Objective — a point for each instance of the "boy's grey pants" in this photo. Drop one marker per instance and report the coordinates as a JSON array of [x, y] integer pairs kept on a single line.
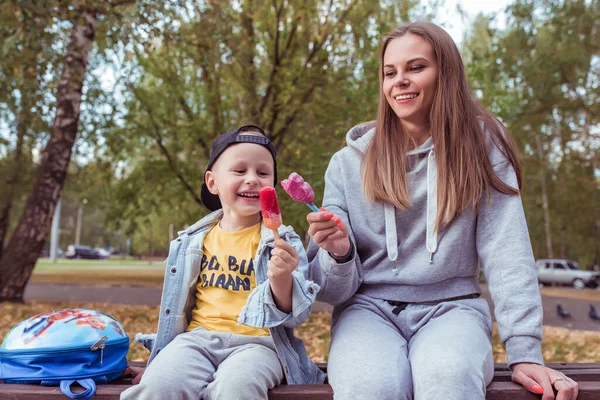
[[211, 365], [426, 351]]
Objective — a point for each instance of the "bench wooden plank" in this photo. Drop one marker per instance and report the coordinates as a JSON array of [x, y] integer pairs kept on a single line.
[[301, 392], [586, 374], [512, 391], [495, 391], [579, 375]]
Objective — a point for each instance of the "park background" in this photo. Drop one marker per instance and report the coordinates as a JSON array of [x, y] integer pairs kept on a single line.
[[111, 107]]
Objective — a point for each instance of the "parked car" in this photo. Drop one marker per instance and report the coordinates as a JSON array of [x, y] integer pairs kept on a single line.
[[103, 252], [82, 252], [565, 272]]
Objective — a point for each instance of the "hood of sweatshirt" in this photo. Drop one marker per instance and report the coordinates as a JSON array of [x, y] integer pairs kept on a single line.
[[360, 138]]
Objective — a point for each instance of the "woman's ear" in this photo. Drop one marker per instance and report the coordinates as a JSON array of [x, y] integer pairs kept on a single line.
[[211, 182]]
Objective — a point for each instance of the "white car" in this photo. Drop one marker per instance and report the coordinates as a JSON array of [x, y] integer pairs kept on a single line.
[[103, 252], [565, 272]]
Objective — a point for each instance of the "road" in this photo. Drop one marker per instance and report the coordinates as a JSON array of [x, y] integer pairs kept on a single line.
[[150, 295]]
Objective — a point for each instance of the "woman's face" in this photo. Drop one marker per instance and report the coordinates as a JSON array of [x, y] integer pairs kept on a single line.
[[410, 78]]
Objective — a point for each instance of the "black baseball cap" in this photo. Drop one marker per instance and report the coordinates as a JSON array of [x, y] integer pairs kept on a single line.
[[212, 201]]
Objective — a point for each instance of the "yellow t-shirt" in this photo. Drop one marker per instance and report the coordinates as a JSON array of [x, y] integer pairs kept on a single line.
[[226, 279]]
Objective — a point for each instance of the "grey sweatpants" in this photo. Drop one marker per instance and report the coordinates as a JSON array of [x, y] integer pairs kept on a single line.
[[426, 352], [211, 365]]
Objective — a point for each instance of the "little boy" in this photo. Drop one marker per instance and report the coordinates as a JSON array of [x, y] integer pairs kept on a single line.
[[232, 295]]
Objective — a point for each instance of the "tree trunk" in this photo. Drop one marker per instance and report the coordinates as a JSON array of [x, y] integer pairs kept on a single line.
[[27, 241], [595, 201], [564, 198], [546, 212], [13, 176], [593, 155]]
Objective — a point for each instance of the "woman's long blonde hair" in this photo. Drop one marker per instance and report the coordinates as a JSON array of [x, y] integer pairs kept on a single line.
[[456, 118]]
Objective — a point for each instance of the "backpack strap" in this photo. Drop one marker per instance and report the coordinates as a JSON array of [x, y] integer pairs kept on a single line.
[[88, 384]]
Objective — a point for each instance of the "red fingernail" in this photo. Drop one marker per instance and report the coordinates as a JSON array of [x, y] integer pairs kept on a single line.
[[328, 215], [340, 226], [338, 220], [322, 209], [537, 389]]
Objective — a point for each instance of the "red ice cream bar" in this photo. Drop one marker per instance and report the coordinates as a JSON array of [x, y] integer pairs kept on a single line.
[[270, 208]]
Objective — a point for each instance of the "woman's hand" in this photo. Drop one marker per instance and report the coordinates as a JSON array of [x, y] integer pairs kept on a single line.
[[329, 232], [540, 380]]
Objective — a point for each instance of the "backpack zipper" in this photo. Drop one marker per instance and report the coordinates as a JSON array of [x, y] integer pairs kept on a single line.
[[100, 345]]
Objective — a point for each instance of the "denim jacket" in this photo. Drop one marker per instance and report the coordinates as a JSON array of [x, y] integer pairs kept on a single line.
[[179, 298]]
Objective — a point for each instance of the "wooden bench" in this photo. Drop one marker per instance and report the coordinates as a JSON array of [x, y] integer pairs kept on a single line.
[[501, 388]]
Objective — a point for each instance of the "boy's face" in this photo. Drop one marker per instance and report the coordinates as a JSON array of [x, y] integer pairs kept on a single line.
[[238, 175]]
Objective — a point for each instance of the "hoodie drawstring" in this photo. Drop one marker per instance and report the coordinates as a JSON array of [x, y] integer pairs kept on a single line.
[[391, 235], [431, 234]]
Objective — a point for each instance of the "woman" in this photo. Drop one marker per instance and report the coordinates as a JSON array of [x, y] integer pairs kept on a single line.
[[424, 196]]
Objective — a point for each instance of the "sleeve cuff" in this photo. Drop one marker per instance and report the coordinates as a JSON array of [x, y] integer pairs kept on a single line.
[[332, 267], [303, 296], [524, 349], [348, 257], [146, 339]]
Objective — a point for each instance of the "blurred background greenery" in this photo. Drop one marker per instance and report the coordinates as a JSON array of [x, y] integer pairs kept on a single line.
[[165, 78]]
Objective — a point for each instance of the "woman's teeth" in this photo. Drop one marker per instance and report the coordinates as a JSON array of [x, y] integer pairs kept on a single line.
[[406, 96]]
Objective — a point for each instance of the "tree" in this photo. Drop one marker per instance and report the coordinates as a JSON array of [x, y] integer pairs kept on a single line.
[[26, 242], [27, 57], [305, 71], [541, 75]]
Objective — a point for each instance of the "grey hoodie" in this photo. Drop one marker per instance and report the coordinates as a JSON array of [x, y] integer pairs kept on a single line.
[[399, 256]]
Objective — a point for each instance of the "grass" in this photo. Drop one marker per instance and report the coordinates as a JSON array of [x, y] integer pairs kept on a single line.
[[559, 344], [63, 262], [95, 276], [99, 271]]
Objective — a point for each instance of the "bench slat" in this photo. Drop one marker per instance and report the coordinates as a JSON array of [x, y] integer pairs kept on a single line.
[[495, 391], [512, 391], [301, 392], [587, 375], [579, 375], [557, 366]]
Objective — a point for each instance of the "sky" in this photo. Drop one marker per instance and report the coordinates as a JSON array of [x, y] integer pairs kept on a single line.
[[450, 19]]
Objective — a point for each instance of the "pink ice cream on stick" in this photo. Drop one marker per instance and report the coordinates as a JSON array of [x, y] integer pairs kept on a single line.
[[300, 190], [270, 209]]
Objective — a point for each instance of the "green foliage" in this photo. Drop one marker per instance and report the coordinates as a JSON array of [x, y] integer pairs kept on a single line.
[[541, 76], [305, 71]]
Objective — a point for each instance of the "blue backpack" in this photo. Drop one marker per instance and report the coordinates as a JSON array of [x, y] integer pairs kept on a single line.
[[59, 348]]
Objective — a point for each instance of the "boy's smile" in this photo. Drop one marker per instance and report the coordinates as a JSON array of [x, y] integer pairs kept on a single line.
[[236, 177], [249, 195]]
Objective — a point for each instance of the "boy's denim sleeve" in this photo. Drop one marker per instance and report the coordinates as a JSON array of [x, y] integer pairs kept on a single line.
[[304, 292], [146, 339]]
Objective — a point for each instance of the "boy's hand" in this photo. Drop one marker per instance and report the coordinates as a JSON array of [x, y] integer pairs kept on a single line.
[[329, 232], [136, 372], [284, 260]]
